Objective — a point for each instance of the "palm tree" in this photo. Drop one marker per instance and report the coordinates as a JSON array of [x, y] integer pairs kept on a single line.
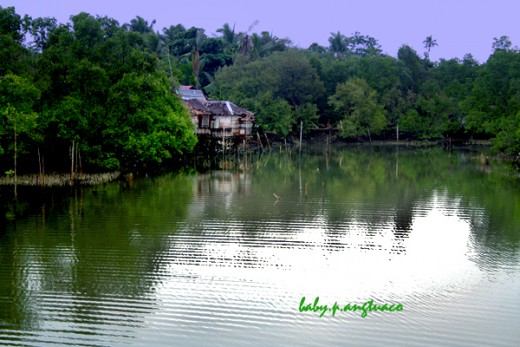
[[228, 34], [197, 46], [429, 43], [338, 44], [140, 25], [157, 44], [230, 38], [260, 44], [245, 40], [177, 40]]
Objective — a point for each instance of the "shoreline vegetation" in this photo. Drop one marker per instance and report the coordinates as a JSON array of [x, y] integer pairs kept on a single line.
[[60, 180], [89, 179], [96, 95]]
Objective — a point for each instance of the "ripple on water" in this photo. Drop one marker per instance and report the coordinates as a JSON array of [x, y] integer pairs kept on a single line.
[[222, 267]]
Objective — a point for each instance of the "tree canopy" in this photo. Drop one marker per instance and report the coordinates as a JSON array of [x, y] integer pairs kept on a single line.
[[91, 89], [103, 92]]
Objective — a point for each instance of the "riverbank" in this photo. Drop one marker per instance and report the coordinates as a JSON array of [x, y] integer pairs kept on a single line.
[[214, 160], [60, 180], [330, 137]]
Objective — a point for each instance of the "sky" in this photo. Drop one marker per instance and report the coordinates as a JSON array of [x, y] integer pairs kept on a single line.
[[458, 26]]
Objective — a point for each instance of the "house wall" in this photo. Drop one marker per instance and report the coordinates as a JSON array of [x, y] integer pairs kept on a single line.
[[221, 126]]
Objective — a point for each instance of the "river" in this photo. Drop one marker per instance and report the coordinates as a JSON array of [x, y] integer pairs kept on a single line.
[[250, 256]]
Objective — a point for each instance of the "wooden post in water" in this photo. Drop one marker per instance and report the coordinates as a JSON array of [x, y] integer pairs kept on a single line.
[[223, 144], [245, 154], [260, 140], [76, 153], [15, 167], [301, 135], [267, 139], [80, 166], [72, 163], [41, 164]]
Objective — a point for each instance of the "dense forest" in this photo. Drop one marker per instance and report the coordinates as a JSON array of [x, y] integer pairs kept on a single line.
[[94, 94]]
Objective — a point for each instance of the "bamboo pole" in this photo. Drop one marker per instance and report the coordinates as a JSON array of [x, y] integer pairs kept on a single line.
[[43, 170], [72, 162], [39, 166], [80, 166], [259, 140], [301, 135], [265, 135], [15, 165]]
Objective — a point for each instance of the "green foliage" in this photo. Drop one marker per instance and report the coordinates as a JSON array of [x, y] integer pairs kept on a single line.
[[357, 105], [356, 45], [102, 91], [146, 123], [308, 114], [197, 56], [93, 76], [14, 57], [503, 44], [508, 138], [413, 69], [380, 72], [496, 93], [434, 115], [294, 78], [280, 89], [429, 43], [494, 104], [40, 29], [272, 114], [17, 117], [10, 23]]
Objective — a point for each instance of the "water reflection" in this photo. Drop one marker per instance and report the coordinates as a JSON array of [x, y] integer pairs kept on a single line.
[[79, 257], [413, 229], [225, 256]]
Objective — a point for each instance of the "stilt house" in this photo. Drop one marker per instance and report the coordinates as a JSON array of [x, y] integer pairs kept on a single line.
[[217, 119]]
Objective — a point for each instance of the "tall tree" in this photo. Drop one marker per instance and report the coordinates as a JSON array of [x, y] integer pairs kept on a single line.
[[429, 43], [413, 71], [494, 103], [357, 104], [13, 55], [17, 117], [433, 115], [279, 82], [362, 45], [40, 29], [338, 44], [196, 61], [11, 23], [140, 25], [246, 44], [146, 122], [228, 33], [502, 44]]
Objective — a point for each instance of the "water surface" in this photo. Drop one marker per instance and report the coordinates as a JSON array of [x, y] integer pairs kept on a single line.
[[223, 258]]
